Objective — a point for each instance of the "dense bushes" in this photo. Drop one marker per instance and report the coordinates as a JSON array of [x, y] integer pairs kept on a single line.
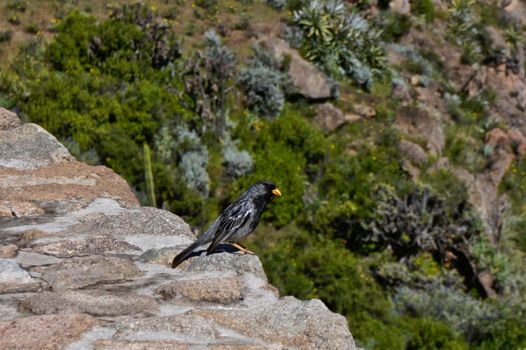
[[263, 84], [352, 227]]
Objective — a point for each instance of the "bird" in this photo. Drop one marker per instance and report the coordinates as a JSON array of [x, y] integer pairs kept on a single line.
[[236, 222]]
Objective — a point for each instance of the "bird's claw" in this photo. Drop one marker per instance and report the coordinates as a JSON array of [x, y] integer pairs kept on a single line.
[[242, 250]]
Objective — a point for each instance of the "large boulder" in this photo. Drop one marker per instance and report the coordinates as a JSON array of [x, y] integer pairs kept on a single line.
[[331, 118], [307, 80], [30, 147]]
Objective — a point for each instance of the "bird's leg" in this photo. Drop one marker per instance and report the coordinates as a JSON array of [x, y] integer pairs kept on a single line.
[[242, 249]]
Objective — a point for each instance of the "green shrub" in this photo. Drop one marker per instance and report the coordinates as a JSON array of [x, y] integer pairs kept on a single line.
[[418, 221], [310, 266], [348, 181], [285, 150], [93, 86], [237, 163], [429, 334], [14, 19], [17, 5], [514, 183], [32, 28], [262, 83], [6, 36], [453, 191], [394, 25], [208, 78], [424, 8], [277, 4]]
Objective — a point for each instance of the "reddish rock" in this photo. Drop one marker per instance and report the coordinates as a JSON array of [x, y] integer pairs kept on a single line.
[[8, 119], [224, 290], [8, 251], [500, 164], [518, 141], [486, 281], [497, 138], [401, 6], [43, 332], [60, 188]]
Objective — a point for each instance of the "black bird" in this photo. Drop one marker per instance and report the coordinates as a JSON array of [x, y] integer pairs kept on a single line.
[[237, 221]]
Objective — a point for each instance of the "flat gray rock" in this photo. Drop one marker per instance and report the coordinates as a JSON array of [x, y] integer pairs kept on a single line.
[[82, 272], [14, 279], [144, 220], [9, 310], [290, 322], [35, 259], [29, 147], [96, 303], [182, 331], [225, 262], [163, 256], [178, 345], [91, 246]]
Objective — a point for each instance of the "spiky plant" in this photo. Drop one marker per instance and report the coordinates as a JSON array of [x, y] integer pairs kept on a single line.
[[340, 40]]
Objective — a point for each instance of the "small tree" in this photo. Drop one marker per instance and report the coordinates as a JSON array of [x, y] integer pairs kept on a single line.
[[207, 78]]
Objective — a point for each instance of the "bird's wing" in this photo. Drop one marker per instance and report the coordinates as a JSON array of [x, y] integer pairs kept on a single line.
[[233, 219]]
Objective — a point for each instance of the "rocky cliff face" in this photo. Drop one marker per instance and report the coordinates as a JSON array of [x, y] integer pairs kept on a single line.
[[84, 266]]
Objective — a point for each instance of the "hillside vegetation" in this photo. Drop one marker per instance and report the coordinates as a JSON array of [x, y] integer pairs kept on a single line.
[[403, 202]]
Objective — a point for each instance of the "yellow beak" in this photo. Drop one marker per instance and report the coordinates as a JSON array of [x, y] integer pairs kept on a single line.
[[276, 192]]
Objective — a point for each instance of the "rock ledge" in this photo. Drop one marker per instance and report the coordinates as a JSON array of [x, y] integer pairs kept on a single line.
[[83, 266]]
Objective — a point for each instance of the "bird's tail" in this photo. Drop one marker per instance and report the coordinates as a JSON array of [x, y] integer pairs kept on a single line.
[[185, 253]]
